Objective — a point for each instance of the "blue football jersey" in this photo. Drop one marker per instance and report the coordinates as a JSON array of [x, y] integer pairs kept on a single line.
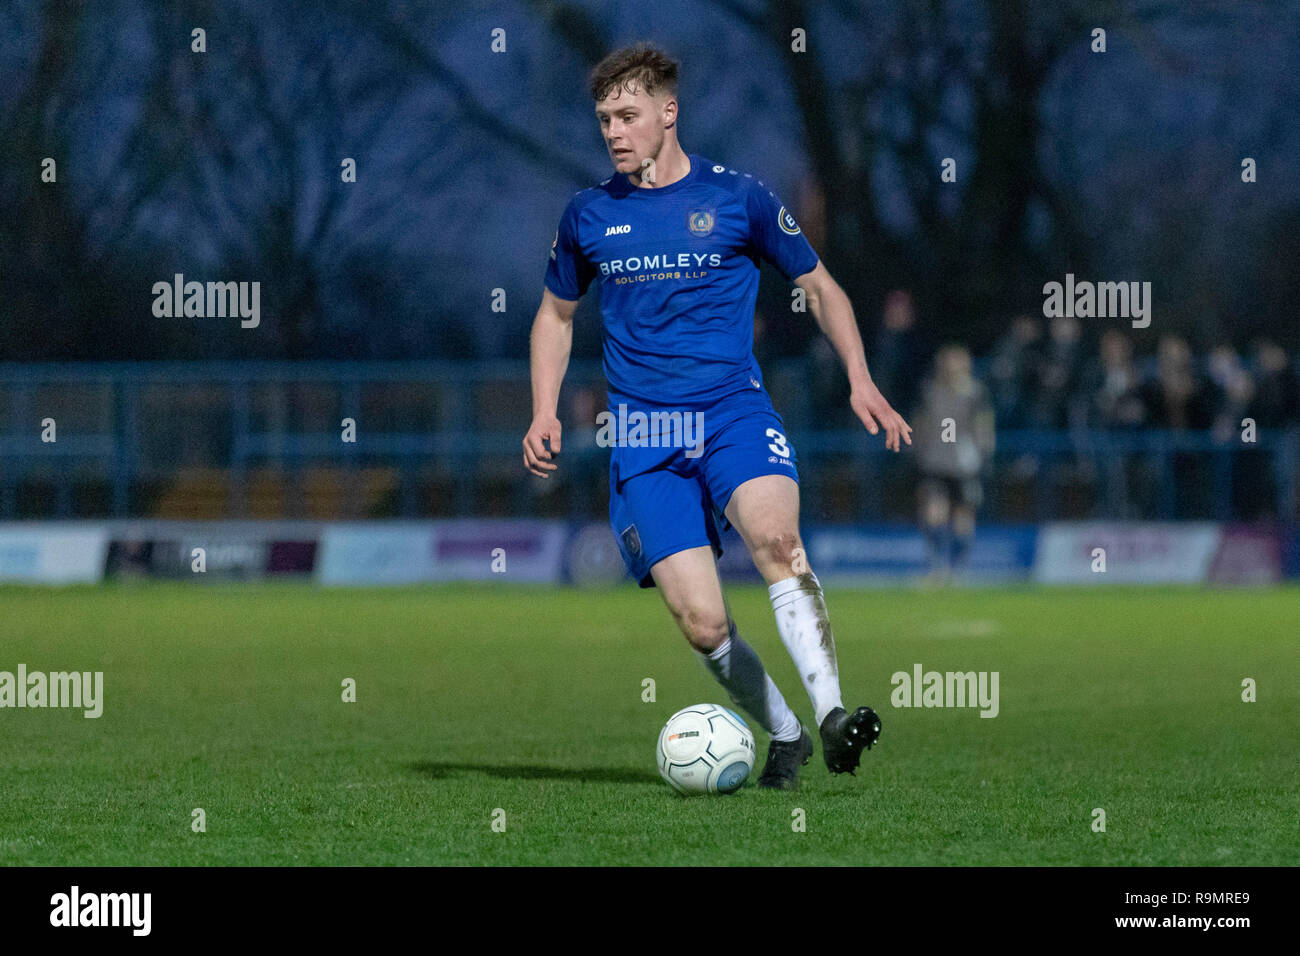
[[678, 271]]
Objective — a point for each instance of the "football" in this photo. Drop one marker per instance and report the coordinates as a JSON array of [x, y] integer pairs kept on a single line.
[[705, 749]]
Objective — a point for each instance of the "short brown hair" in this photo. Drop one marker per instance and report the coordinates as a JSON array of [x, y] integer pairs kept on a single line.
[[644, 64]]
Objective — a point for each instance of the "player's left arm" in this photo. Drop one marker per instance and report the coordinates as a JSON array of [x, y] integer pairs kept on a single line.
[[834, 314]]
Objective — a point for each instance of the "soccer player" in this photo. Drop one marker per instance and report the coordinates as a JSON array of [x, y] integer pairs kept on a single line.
[[674, 239], [956, 418]]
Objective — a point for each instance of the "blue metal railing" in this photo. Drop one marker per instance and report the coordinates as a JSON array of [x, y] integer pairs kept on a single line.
[[120, 431]]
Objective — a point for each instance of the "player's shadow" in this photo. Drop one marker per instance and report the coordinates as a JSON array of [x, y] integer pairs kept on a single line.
[[440, 771]]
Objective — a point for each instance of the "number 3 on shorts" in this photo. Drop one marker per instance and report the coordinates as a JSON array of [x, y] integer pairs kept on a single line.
[[778, 445]]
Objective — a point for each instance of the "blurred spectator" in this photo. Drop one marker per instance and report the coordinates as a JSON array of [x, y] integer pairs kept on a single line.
[[1233, 390], [829, 385], [901, 353], [580, 434], [1111, 383], [1013, 370], [1277, 391], [955, 437], [1177, 398], [1058, 373], [584, 463]]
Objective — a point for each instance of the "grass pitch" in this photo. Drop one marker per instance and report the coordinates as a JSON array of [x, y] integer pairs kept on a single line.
[[477, 700]]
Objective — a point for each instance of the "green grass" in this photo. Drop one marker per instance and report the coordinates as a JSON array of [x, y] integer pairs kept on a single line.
[[529, 700]]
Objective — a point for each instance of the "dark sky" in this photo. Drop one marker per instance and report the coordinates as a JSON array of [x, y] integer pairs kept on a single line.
[[466, 157]]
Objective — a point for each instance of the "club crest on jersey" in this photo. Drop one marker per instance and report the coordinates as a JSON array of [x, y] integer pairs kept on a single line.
[[787, 223], [701, 222]]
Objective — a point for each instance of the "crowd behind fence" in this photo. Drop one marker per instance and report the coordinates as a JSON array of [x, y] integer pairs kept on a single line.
[[1154, 440]]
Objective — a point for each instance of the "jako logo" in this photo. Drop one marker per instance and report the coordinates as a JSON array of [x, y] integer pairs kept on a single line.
[[103, 909], [618, 230], [179, 299], [953, 689]]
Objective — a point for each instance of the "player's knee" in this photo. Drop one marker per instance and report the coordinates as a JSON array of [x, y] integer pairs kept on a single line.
[[934, 511], [963, 521], [704, 628], [776, 548]]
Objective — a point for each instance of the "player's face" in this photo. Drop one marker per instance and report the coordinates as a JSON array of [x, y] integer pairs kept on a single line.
[[633, 125]]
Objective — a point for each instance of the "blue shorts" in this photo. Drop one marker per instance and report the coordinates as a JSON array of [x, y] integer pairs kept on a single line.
[[667, 499]]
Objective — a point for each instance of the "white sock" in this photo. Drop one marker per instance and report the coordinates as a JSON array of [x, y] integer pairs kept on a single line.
[[805, 629], [740, 672]]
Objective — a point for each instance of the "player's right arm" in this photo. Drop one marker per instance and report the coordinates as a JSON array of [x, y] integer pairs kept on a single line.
[[568, 274], [550, 343]]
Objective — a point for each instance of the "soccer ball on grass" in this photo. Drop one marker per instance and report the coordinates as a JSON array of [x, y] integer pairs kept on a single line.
[[705, 749]]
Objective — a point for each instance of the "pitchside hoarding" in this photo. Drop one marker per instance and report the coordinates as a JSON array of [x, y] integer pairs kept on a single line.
[[1161, 553], [555, 552], [468, 550], [41, 553], [1124, 553], [211, 550], [1248, 555], [881, 554]]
